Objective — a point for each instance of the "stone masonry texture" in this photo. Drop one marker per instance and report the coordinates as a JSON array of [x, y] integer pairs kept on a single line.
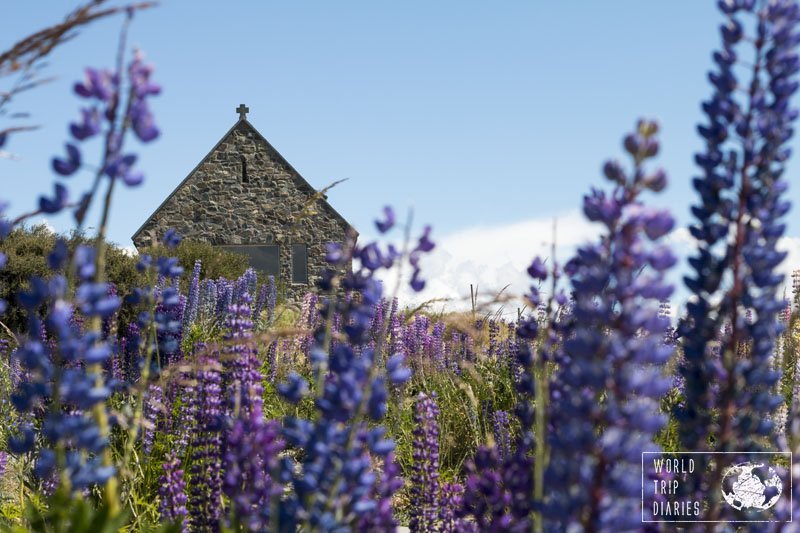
[[276, 205]]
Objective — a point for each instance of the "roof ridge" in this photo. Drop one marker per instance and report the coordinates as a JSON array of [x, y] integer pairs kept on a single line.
[[295, 174]]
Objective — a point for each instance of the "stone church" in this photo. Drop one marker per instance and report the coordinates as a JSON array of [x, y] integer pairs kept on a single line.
[[245, 197]]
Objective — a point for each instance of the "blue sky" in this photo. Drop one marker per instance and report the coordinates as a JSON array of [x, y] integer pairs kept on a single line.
[[480, 115]]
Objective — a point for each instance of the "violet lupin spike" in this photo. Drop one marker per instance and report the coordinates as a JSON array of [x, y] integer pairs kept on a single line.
[[613, 349], [172, 493], [424, 482]]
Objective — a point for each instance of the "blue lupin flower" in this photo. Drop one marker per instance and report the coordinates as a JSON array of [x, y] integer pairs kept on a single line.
[[726, 373], [68, 166], [97, 84], [206, 448], [89, 126], [612, 349], [251, 453], [388, 220], [736, 190], [334, 484], [69, 363], [172, 493], [242, 387], [424, 481], [502, 433], [193, 300], [55, 204]]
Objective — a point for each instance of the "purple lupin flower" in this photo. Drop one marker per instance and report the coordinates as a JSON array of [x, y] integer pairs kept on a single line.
[[308, 310], [490, 491], [468, 345], [376, 328], [69, 165], [426, 353], [142, 121], [224, 299], [251, 453], [424, 486], [187, 411], [334, 482], [450, 502], [337, 327], [309, 318], [437, 344], [510, 348], [395, 334], [242, 386], [285, 349], [97, 83], [247, 283], [80, 382], [3, 462], [130, 353], [738, 223], [14, 366], [752, 181], [665, 311], [168, 319], [447, 351], [272, 295], [494, 332], [272, 361], [264, 292], [614, 350], [114, 369], [208, 299], [382, 519], [502, 434], [172, 492], [89, 125], [206, 447], [193, 301], [153, 405], [50, 484]]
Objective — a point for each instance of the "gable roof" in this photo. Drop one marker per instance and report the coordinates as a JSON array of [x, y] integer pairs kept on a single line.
[[294, 173]]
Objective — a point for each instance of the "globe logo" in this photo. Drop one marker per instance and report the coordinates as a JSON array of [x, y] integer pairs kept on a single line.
[[751, 486]]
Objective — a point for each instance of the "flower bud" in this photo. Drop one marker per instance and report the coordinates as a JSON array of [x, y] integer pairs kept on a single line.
[[633, 144], [657, 181], [614, 172], [650, 147], [731, 31], [647, 128]]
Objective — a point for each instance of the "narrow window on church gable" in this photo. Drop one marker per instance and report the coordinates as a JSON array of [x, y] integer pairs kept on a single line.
[[245, 178], [299, 263]]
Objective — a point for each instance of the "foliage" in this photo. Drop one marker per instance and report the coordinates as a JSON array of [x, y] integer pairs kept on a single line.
[[216, 262], [205, 405], [26, 249]]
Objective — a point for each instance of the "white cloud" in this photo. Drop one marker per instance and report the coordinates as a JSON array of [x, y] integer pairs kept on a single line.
[[42, 221], [792, 261], [492, 258], [683, 244], [497, 256]]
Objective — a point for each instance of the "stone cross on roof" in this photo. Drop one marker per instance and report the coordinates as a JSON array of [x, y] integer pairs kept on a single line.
[[242, 110]]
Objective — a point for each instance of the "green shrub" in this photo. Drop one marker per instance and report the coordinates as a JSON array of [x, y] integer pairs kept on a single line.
[[216, 262], [27, 250]]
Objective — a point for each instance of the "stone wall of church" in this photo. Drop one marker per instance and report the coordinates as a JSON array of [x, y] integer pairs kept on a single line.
[[223, 204]]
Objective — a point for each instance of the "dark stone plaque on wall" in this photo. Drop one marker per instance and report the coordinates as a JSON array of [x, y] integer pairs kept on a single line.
[[265, 258]]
